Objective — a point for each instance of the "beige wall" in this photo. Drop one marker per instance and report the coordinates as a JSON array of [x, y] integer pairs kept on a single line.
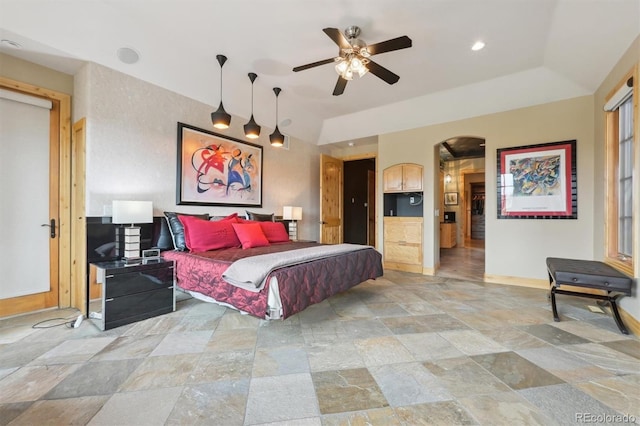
[[626, 63], [28, 72], [132, 149], [514, 248]]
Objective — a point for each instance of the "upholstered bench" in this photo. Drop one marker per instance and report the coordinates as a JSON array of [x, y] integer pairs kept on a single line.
[[588, 274]]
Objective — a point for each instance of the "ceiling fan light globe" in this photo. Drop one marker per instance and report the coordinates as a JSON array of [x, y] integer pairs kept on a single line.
[[341, 67], [348, 74]]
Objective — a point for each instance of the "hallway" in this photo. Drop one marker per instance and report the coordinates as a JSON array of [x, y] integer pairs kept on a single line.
[[465, 263]]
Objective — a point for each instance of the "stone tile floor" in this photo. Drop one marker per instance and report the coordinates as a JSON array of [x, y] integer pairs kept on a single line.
[[405, 349]]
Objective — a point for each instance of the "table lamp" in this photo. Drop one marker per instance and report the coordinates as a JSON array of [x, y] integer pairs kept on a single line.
[[128, 237], [292, 214]]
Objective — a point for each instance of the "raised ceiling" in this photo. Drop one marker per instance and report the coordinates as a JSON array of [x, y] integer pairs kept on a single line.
[[461, 148], [536, 51]]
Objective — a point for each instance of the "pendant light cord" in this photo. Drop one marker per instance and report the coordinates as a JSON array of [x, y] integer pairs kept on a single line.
[[220, 83]]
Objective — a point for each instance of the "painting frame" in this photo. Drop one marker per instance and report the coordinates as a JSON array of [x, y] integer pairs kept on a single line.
[[217, 170], [450, 198], [537, 181]]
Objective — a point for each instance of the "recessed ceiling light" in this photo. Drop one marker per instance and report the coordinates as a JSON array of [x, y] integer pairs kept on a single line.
[[10, 43], [286, 122], [351, 143], [128, 55], [478, 45]]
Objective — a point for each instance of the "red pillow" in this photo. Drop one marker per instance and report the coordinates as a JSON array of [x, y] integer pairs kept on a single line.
[[250, 235], [203, 235], [275, 232]]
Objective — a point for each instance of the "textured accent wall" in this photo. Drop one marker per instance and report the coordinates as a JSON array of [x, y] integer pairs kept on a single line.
[[132, 149]]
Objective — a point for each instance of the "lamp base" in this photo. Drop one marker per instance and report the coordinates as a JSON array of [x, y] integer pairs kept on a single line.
[[293, 230], [128, 242]]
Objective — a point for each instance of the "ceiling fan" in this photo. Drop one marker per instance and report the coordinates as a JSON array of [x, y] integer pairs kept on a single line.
[[354, 55]]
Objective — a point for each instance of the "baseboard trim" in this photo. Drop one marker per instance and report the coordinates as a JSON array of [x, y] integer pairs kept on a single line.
[[633, 325], [516, 281], [428, 271]]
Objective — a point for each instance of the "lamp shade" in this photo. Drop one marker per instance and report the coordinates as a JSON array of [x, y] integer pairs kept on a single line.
[[131, 211], [276, 138], [291, 213], [221, 118]]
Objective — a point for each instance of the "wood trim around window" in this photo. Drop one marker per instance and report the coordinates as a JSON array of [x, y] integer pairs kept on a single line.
[[611, 180]]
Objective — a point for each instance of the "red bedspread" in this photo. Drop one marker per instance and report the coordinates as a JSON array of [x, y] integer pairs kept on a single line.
[[299, 285]]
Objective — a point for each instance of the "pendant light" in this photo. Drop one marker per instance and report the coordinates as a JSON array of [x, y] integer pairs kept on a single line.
[[221, 119], [276, 138], [251, 129]]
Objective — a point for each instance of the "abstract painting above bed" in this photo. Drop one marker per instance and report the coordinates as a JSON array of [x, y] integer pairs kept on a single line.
[[288, 289]]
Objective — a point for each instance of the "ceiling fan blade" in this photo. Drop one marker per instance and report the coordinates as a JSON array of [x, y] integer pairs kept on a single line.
[[340, 85], [337, 37], [313, 64], [382, 72], [389, 45]]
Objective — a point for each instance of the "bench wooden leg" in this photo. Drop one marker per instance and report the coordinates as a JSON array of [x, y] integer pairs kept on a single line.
[[556, 318], [616, 315], [552, 296]]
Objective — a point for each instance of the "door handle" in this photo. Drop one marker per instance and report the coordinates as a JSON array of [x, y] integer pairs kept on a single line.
[[52, 227]]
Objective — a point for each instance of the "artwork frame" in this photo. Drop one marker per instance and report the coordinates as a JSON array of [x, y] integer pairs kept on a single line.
[[538, 181], [450, 198], [217, 170]]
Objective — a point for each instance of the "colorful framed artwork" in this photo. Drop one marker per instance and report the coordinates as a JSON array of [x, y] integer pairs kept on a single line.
[[216, 170], [450, 198], [538, 181]]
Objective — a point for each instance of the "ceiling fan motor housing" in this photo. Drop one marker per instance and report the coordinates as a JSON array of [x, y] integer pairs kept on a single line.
[[353, 57]]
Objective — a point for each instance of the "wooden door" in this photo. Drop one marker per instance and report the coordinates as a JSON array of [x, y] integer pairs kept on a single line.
[[31, 158], [392, 179], [331, 174], [412, 177]]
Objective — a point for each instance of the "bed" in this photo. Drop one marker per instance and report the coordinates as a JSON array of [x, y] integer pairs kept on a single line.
[[287, 288]]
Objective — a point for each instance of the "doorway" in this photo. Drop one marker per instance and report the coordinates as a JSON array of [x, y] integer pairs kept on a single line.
[[45, 226], [359, 201], [461, 189]]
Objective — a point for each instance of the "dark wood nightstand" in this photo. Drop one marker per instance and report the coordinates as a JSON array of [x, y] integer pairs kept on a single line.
[[133, 292]]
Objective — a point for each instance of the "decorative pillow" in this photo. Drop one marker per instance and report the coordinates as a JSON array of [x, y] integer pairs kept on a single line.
[[232, 216], [250, 235], [274, 231], [177, 230], [203, 235], [260, 217]]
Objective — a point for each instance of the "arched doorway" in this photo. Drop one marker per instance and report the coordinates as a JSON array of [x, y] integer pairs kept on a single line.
[[462, 190]]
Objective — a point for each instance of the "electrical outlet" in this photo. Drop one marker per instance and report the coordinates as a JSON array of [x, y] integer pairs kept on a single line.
[[412, 200]]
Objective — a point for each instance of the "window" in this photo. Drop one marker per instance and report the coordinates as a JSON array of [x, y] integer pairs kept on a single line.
[[621, 114]]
